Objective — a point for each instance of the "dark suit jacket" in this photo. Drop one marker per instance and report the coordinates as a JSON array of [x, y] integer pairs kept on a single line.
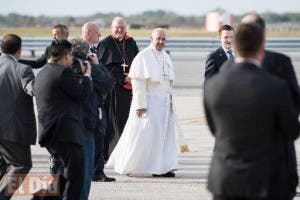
[[59, 98], [40, 62], [102, 84], [214, 62], [251, 125], [281, 66], [17, 120]]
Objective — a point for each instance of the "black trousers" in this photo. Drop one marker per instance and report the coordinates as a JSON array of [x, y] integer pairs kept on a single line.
[[72, 155], [99, 147], [15, 159], [239, 198]]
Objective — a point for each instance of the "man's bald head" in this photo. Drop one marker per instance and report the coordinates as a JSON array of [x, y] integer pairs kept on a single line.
[[90, 33], [254, 18]]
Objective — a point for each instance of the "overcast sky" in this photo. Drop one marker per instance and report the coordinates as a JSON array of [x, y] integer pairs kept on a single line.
[[183, 7]]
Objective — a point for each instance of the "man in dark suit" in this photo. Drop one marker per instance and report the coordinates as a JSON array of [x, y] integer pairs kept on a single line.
[[17, 120], [281, 66], [90, 108], [218, 57], [60, 93], [278, 64], [91, 34], [59, 32], [251, 125]]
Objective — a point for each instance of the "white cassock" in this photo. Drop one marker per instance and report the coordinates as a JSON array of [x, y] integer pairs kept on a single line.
[[147, 144]]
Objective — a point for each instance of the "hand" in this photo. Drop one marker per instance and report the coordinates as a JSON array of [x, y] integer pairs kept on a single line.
[[140, 112], [94, 58], [127, 79], [86, 67]]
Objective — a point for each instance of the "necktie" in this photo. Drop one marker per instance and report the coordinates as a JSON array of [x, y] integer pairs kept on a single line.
[[93, 49], [230, 54]]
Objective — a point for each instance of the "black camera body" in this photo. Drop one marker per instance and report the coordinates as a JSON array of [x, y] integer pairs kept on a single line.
[[76, 68]]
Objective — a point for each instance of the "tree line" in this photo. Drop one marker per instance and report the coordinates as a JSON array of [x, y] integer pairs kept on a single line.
[[146, 18]]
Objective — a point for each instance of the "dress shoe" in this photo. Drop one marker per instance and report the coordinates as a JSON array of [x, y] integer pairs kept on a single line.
[[169, 175], [103, 178]]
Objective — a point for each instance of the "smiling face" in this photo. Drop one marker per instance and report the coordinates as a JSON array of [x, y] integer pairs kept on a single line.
[[158, 40], [226, 38], [118, 28], [58, 34]]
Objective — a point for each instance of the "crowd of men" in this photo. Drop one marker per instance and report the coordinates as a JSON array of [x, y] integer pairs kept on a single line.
[[89, 93], [71, 89]]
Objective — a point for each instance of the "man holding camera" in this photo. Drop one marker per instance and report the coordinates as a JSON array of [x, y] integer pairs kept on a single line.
[[91, 34], [90, 109], [60, 94]]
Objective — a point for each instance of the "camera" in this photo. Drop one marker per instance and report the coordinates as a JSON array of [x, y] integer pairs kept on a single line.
[[76, 68]]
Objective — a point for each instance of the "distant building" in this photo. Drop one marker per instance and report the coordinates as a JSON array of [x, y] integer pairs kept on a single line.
[[214, 20]]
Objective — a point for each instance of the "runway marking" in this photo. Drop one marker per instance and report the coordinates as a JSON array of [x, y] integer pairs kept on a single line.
[[194, 121]]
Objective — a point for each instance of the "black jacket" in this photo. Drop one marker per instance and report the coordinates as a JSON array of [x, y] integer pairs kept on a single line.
[[40, 62], [59, 98], [214, 61], [281, 66], [102, 84]]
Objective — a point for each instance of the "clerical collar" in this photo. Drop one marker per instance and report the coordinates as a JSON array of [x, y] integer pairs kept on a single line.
[[248, 60], [117, 39]]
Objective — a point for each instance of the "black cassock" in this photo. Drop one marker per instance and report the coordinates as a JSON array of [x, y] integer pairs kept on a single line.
[[117, 57]]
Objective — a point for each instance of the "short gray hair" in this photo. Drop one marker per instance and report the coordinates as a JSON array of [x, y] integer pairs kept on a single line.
[[86, 27], [157, 30], [115, 19]]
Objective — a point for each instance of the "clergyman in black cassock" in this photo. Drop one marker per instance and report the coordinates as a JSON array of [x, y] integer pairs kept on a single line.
[[116, 54]]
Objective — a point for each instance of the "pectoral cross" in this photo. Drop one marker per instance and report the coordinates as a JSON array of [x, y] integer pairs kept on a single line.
[[124, 66]]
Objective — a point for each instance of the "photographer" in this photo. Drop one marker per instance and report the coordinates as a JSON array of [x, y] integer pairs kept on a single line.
[[90, 107], [59, 97]]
